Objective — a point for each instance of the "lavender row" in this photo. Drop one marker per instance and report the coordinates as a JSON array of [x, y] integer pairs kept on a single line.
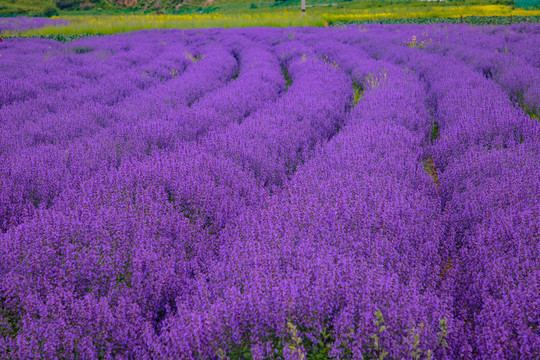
[[88, 64], [121, 248], [197, 203], [144, 124], [22, 23], [313, 269], [508, 58], [122, 198], [488, 192], [492, 328], [272, 142], [487, 189], [470, 111], [87, 88], [99, 140]]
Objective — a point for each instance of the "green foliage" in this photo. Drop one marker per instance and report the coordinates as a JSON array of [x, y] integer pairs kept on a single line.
[[10, 320], [80, 50], [528, 4], [240, 352], [303, 346], [66, 4], [60, 37], [415, 334], [125, 276], [419, 44], [50, 10], [285, 73], [321, 349], [191, 57], [295, 344], [431, 169], [443, 333], [316, 344], [377, 350], [472, 20], [434, 132], [226, 16], [28, 7], [237, 7], [329, 61], [358, 90], [416, 352], [375, 80], [533, 112]]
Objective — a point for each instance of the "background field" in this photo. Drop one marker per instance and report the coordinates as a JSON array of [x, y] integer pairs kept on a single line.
[[117, 19], [226, 13]]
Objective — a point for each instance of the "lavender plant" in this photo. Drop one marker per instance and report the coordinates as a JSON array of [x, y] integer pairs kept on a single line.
[[339, 193]]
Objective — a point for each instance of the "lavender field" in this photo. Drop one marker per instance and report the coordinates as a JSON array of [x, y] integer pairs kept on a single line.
[[21, 23], [361, 192]]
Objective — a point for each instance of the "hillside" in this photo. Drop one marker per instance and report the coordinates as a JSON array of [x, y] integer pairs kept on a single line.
[[49, 7], [28, 7]]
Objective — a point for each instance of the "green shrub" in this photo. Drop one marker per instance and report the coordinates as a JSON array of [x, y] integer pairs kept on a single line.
[[66, 4], [50, 10]]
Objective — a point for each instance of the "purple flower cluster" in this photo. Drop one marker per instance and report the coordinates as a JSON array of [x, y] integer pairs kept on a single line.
[[22, 23], [350, 193]]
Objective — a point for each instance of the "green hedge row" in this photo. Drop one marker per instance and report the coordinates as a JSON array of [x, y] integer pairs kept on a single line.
[[57, 37], [472, 20]]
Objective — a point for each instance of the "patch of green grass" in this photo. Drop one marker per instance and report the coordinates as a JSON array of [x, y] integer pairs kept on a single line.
[[285, 73], [434, 132], [533, 112], [358, 90], [431, 169]]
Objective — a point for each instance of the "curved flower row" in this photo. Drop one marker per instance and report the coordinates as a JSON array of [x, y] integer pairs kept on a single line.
[[21, 23], [349, 193], [486, 154]]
